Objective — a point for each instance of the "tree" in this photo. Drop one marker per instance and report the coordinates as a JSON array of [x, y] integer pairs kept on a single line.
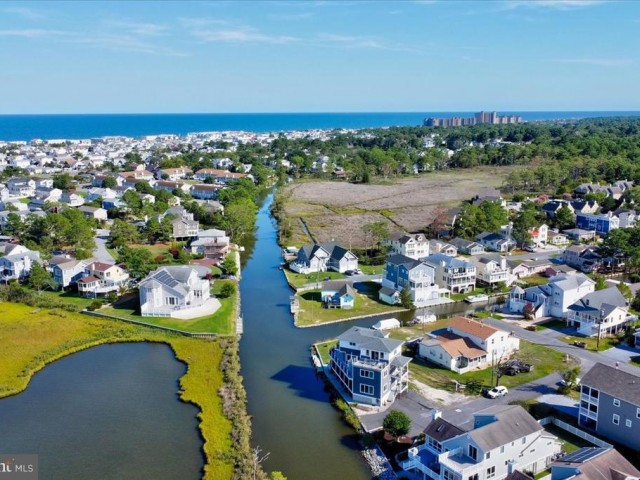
[[123, 234], [564, 218], [137, 261], [227, 290], [229, 265], [601, 282], [405, 298], [396, 423], [63, 181], [570, 378], [275, 475], [240, 217], [376, 233], [625, 290], [109, 182], [39, 278], [635, 304]]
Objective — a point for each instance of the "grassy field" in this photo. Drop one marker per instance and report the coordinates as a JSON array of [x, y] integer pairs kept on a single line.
[[413, 331], [221, 322], [605, 342], [535, 280], [69, 297], [313, 313], [300, 279], [545, 360], [32, 338], [571, 442], [338, 210], [323, 349]]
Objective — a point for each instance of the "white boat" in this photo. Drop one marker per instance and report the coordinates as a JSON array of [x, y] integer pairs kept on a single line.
[[426, 317], [477, 298]]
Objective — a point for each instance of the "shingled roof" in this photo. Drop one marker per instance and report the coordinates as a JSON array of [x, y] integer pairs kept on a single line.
[[614, 382]]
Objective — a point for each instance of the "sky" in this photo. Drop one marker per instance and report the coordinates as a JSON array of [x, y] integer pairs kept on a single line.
[[318, 56]]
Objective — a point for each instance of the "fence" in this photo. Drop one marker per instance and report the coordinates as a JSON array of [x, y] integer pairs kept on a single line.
[[574, 431], [150, 325]]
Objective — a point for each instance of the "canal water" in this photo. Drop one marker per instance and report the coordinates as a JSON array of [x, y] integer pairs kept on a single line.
[[110, 412], [292, 418]]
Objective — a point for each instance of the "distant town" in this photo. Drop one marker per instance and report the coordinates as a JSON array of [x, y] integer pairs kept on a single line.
[[479, 118]]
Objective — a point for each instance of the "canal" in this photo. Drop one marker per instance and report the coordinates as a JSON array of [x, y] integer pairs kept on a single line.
[[110, 412], [292, 418]]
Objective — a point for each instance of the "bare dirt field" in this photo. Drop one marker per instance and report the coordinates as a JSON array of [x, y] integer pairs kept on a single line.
[[338, 210]]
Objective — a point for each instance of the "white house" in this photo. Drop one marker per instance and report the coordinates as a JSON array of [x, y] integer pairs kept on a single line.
[[492, 269], [454, 274], [540, 235], [176, 291], [504, 438], [16, 261], [101, 278], [414, 246], [468, 344], [497, 242], [552, 299], [321, 257], [600, 312]]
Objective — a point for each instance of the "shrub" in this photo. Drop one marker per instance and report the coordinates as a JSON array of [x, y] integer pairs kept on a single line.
[[95, 305]]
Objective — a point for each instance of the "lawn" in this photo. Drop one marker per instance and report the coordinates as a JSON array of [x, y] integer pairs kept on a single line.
[[371, 269], [323, 349], [635, 361], [414, 331], [300, 279], [221, 322], [571, 442], [560, 326], [456, 297], [34, 337], [534, 280], [69, 297], [313, 313], [545, 360]]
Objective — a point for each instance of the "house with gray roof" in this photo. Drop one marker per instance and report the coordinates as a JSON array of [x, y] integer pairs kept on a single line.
[[504, 438], [414, 246], [593, 463], [370, 366], [321, 257], [16, 261], [418, 277], [467, 246], [610, 404], [601, 312], [176, 291], [454, 274], [496, 242], [338, 294]]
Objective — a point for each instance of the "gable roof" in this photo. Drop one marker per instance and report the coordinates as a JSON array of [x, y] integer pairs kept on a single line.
[[441, 430], [511, 423], [473, 327], [370, 339], [571, 281], [455, 345], [614, 382], [605, 300], [399, 259], [593, 463]]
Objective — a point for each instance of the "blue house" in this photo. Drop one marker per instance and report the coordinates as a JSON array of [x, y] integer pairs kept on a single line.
[[370, 366], [601, 224], [338, 294], [400, 272]]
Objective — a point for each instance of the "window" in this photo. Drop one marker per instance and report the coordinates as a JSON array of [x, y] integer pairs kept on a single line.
[[473, 452], [487, 455], [473, 477], [524, 440], [502, 449], [366, 373], [491, 472], [628, 423], [449, 475], [366, 389], [616, 419], [616, 402], [637, 412]]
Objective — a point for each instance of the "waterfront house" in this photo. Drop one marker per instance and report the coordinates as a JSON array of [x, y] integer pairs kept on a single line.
[[211, 243], [414, 246], [504, 439], [16, 261], [101, 278], [182, 223], [492, 269], [453, 274], [176, 291], [66, 270], [370, 366], [599, 313], [552, 299], [417, 277], [610, 404], [468, 344], [593, 463], [467, 246], [338, 294], [582, 257], [220, 176], [527, 268], [321, 257]]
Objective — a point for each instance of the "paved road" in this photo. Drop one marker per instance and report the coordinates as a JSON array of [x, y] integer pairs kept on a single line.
[[101, 253], [542, 255]]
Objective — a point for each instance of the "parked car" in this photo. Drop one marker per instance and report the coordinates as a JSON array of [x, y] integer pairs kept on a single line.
[[357, 271], [496, 392], [514, 367], [580, 344], [564, 383], [529, 248], [348, 273]]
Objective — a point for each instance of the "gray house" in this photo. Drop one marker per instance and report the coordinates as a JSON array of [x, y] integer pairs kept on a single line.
[[321, 257], [610, 404], [593, 463], [467, 246]]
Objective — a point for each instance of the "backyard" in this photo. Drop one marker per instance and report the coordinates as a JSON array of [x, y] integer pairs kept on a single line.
[[366, 303], [323, 349], [567, 337], [544, 359], [221, 322]]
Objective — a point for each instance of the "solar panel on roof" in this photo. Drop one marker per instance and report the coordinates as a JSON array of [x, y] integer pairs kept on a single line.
[[582, 455]]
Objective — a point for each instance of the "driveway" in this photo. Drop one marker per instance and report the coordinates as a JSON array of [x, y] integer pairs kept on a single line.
[[621, 353], [418, 408], [100, 253]]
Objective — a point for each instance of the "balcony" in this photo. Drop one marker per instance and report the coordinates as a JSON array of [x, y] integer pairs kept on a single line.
[[466, 273], [589, 414]]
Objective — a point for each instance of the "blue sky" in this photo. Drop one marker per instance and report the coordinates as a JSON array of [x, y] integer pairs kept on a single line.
[[280, 56]]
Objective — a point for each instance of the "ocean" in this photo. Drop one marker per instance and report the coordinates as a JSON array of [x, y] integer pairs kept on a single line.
[[48, 127]]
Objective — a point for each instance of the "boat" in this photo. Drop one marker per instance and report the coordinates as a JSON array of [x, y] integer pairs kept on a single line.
[[477, 298], [426, 317]]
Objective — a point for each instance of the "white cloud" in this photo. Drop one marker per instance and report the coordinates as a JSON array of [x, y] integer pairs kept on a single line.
[[138, 28], [291, 16], [25, 12], [600, 62], [553, 4], [33, 33], [128, 43], [241, 35]]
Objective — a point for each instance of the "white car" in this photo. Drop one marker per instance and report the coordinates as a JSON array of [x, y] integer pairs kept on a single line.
[[498, 391]]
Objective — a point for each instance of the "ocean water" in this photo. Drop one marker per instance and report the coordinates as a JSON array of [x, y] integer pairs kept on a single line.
[[47, 127]]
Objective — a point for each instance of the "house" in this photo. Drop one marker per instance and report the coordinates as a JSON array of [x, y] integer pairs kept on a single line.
[[211, 243], [504, 439], [599, 313], [144, 175], [169, 186], [601, 224], [554, 270], [610, 404], [468, 344], [496, 242], [527, 268], [457, 276], [176, 291], [338, 294], [419, 278], [71, 199], [21, 186], [582, 257], [99, 214], [593, 463], [552, 299], [414, 246], [220, 176], [489, 194], [101, 278], [16, 261], [628, 218], [437, 246], [467, 246], [183, 225], [492, 269], [205, 192], [557, 238], [539, 235], [321, 257], [65, 270], [580, 235], [174, 174], [370, 366], [584, 206], [551, 208]]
